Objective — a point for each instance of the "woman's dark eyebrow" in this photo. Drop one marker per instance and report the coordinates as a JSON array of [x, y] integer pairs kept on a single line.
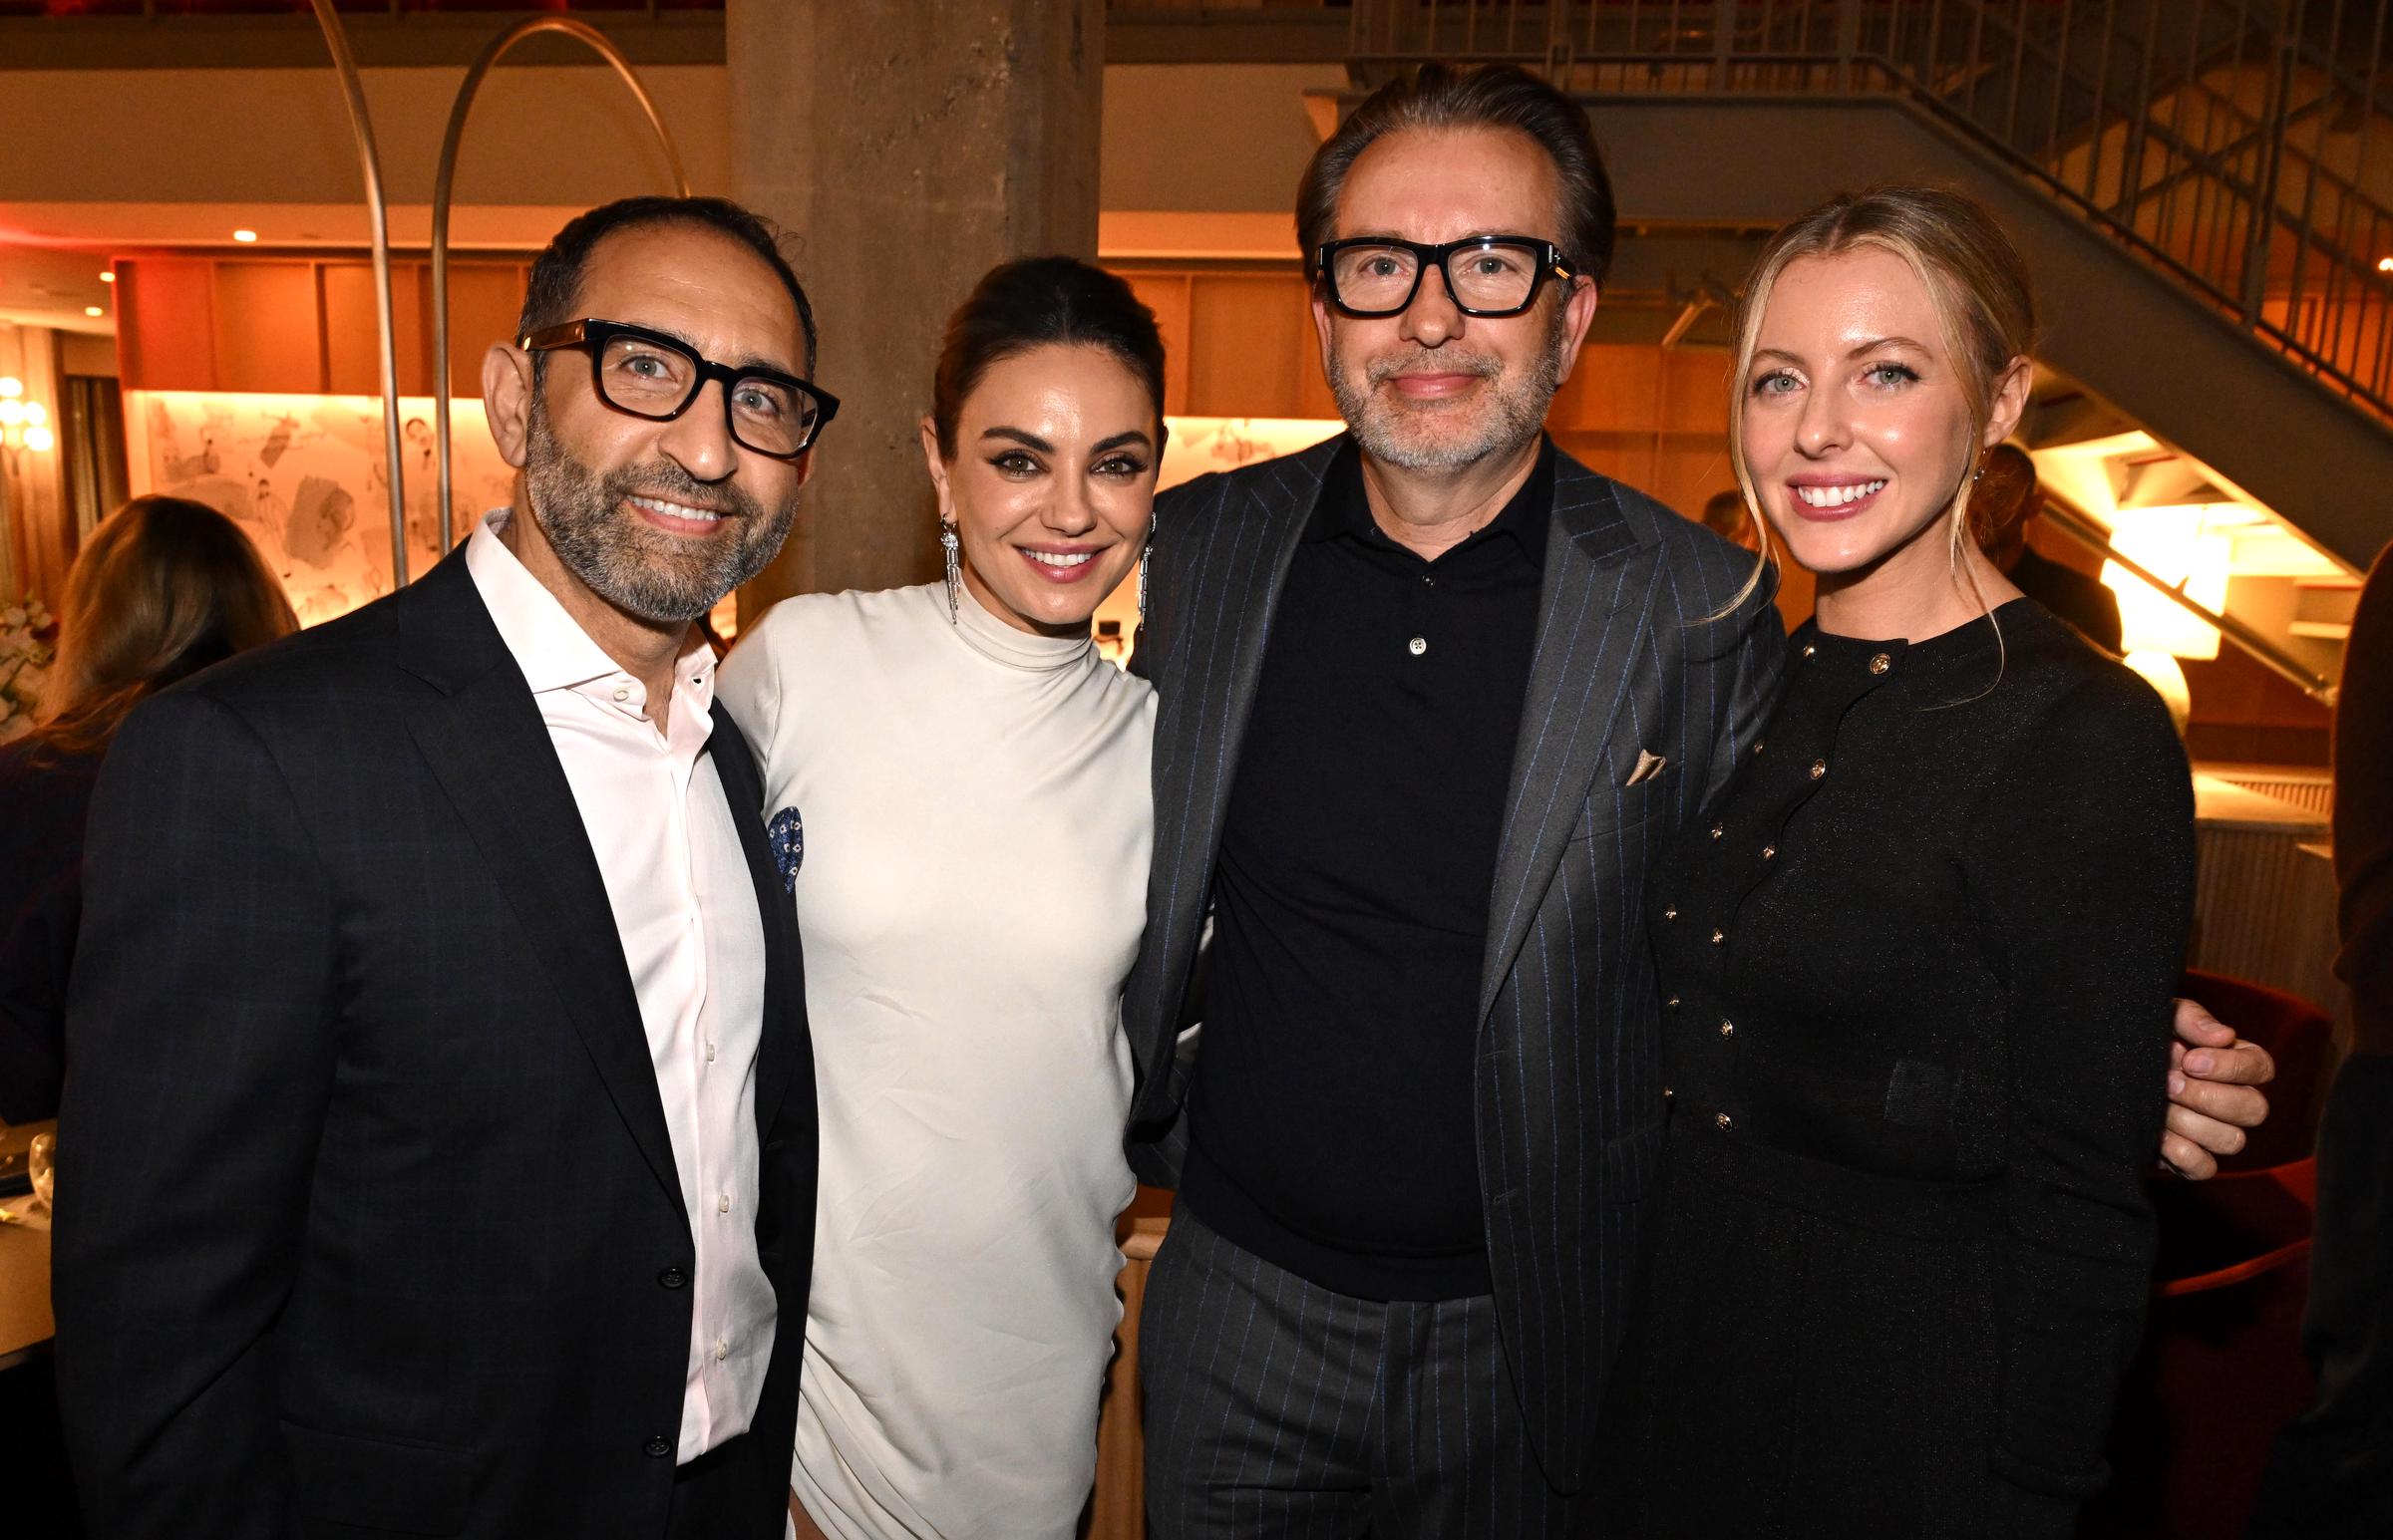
[[1133, 435], [1027, 440]]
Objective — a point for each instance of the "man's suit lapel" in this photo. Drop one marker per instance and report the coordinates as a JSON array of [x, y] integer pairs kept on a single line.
[[1205, 704], [1592, 616], [785, 977], [484, 741]]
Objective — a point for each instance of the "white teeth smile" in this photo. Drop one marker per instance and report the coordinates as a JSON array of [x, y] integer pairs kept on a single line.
[[1055, 559], [1833, 496], [675, 510]]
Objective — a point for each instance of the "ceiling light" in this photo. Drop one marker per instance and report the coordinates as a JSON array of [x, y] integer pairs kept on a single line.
[[39, 440], [10, 385], [107, 276], [244, 236], [2384, 264], [94, 310]]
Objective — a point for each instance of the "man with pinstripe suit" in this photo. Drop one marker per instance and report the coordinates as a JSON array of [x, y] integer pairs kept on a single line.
[[1434, 698]]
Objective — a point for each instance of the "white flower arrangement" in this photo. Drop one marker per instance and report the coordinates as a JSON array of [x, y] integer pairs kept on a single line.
[[24, 663]]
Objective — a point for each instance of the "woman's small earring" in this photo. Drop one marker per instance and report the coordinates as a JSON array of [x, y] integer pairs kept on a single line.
[[955, 569], [1146, 560], [1977, 475]]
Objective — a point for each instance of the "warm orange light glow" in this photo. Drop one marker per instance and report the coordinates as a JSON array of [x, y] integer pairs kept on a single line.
[[244, 236], [2384, 264], [94, 310], [107, 277]]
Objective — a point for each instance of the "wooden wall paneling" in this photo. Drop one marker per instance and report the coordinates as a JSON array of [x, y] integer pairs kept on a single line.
[[1696, 399], [484, 300], [165, 323], [1251, 343], [1615, 387], [1166, 294], [352, 339], [267, 331]]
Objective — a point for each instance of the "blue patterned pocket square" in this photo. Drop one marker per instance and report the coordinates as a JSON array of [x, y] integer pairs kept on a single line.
[[787, 833]]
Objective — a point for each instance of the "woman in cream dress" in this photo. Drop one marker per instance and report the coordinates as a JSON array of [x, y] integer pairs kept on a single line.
[[957, 790]]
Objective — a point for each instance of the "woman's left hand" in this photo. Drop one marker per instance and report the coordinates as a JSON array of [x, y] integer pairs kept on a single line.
[[2212, 1094]]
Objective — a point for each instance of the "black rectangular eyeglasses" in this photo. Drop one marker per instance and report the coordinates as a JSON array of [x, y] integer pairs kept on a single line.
[[1486, 275], [648, 374]]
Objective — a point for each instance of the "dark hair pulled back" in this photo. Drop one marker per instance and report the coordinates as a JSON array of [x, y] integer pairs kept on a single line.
[[1037, 302]]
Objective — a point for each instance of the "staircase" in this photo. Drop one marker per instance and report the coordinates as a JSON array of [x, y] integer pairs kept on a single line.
[[2204, 188]]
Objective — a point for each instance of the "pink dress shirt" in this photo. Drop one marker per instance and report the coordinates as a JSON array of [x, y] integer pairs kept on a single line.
[[686, 912]]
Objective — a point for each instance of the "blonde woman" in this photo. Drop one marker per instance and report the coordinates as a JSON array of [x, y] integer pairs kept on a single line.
[[1918, 965], [164, 588]]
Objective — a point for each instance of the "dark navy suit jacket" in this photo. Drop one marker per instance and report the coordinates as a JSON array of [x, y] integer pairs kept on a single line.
[[368, 1220]]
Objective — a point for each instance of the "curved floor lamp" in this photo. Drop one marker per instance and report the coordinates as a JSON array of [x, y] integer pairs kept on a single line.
[[353, 91], [442, 186]]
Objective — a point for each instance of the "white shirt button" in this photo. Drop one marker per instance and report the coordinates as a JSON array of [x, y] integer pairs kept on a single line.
[[1417, 646], [722, 1348], [723, 1204], [622, 693], [710, 1051]]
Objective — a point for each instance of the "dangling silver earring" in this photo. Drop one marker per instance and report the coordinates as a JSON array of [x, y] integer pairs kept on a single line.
[[1146, 560], [956, 568]]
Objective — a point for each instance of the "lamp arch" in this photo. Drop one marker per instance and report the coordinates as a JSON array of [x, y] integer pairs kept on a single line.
[[443, 185]]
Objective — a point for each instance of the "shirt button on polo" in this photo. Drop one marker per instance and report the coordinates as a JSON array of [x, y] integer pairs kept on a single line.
[[658, 1447], [622, 694], [673, 1278], [723, 1204], [722, 1348], [1417, 646]]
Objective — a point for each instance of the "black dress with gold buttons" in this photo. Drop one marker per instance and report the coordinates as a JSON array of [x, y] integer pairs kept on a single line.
[[1917, 975]]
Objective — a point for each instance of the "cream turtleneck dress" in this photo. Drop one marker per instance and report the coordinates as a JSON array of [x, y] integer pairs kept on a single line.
[[964, 813]]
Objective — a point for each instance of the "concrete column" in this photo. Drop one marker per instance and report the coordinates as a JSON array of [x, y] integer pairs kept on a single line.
[[908, 148]]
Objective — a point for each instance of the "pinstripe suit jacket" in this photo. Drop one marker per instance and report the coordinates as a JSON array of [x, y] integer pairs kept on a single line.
[[1570, 1106]]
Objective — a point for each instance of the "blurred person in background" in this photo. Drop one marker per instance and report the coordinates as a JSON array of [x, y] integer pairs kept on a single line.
[[164, 588], [2008, 504], [1724, 516], [2333, 1470]]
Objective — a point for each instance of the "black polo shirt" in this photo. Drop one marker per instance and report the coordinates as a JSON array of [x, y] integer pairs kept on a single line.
[[1332, 1114]]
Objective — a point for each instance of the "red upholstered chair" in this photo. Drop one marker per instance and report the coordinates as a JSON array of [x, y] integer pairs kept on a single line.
[[2221, 1369], [2297, 1035]]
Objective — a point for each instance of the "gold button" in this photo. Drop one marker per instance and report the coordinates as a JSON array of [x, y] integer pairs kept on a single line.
[[1672, 1002], [1667, 1094], [1808, 648], [1881, 662], [1819, 768], [1728, 1029], [1724, 1121], [1718, 830], [1718, 937], [1670, 913], [1757, 745], [1769, 853]]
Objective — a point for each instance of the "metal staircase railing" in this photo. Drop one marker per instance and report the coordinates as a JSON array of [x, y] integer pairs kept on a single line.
[[2238, 146]]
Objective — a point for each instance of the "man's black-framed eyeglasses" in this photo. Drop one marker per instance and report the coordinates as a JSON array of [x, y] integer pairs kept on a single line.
[[648, 374], [1486, 275]]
